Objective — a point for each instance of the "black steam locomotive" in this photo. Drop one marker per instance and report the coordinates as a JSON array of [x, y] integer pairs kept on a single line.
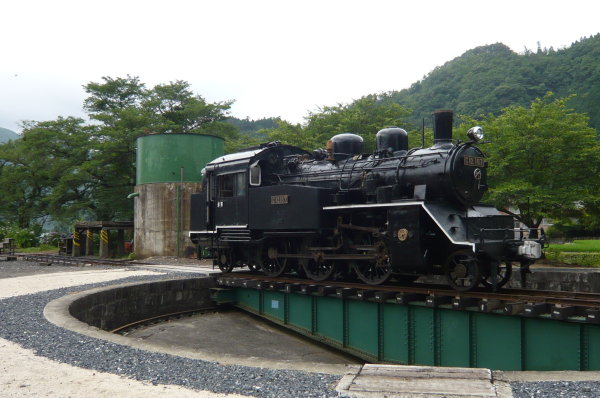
[[339, 213]]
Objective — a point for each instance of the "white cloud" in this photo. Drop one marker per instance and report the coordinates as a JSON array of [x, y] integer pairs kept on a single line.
[[274, 58]]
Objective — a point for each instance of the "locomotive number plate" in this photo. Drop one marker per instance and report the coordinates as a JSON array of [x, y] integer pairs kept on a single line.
[[474, 161], [280, 199]]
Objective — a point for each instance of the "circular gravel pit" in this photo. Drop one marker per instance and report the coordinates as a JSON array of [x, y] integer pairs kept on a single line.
[[226, 337], [236, 336]]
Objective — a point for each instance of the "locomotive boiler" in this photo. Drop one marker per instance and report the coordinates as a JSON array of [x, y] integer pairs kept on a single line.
[[340, 213]]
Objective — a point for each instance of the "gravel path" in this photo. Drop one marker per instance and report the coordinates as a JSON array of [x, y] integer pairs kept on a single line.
[[551, 389], [23, 323], [15, 269]]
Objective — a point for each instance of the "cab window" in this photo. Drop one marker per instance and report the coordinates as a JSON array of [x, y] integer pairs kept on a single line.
[[231, 185], [255, 174]]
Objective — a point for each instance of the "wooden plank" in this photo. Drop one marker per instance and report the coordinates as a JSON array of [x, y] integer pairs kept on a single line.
[[438, 386], [425, 372]]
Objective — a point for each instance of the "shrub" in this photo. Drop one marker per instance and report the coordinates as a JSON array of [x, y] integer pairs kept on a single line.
[[564, 231], [50, 238], [23, 237]]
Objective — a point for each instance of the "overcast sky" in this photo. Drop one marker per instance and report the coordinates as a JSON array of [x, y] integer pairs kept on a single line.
[[274, 58]]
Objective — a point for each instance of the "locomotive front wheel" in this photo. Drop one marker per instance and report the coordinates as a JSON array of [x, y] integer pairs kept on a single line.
[[462, 271], [502, 276], [225, 261], [271, 262]]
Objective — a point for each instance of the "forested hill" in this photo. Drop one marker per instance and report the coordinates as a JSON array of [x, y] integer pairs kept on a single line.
[[486, 79], [6, 135], [250, 127]]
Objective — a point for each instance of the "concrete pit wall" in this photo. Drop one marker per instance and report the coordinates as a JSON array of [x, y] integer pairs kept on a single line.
[[162, 219], [113, 307], [556, 279], [561, 279]]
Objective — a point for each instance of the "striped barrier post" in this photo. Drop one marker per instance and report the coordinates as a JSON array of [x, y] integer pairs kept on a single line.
[[104, 251], [76, 244], [89, 244]]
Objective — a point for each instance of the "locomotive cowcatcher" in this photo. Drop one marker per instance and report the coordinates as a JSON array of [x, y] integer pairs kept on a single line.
[[339, 213]]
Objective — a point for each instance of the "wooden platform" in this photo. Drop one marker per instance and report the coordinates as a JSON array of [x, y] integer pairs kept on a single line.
[[421, 382]]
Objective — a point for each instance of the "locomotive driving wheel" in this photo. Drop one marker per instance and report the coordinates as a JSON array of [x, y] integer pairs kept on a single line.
[[502, 275], [317, 268], [378, 271], [462, 270], [272, 264], [225, 260]]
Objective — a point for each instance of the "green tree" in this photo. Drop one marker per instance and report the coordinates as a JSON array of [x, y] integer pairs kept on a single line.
[[291, 134], [43, 170], [175, 109], [364, 117], [126, 110], [69, 169], [543, 160]]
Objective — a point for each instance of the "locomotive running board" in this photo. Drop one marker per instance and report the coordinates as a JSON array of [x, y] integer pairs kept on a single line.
[[410, 203]]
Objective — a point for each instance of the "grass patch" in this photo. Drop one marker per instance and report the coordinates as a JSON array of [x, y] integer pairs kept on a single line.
[[37, 249], [591, 259], [577, 246]]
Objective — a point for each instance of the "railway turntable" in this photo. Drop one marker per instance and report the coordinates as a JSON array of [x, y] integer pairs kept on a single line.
[[430, 325]]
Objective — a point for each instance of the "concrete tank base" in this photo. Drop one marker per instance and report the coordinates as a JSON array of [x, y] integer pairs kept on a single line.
[[161, 227]]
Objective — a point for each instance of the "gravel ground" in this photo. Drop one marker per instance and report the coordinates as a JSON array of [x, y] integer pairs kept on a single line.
[[544, 389], [14, 269], [23, 323], [174, 261]]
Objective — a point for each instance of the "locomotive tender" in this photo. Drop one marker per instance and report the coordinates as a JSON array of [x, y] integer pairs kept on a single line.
[[397, 213]]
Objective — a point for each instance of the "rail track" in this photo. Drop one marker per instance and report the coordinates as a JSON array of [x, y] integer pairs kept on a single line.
[[124, 330], [69, 260], [573, 306]]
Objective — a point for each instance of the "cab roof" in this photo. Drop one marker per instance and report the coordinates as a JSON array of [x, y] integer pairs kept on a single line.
[[241, 160]]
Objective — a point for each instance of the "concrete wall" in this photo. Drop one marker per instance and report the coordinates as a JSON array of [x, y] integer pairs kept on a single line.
[[556, 279], [155, 219], [561, 279], [114, 307]]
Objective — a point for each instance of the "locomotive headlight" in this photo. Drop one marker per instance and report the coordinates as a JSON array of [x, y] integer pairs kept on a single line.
[[475, 133]]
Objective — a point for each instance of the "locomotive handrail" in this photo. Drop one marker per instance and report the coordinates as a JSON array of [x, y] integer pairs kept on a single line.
[[349, 175]]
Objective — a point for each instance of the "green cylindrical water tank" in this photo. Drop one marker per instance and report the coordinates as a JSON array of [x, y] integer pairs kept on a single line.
[[168, 172], [161, 157]]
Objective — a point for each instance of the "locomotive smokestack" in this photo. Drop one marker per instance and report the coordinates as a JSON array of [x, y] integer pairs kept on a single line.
[[442, 127]]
